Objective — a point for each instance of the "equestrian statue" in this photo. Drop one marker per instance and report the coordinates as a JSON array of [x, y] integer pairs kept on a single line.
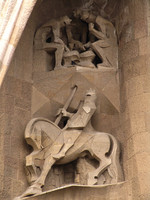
[[53, 145]]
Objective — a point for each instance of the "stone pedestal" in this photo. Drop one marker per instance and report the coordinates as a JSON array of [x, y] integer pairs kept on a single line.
[[80, 192]]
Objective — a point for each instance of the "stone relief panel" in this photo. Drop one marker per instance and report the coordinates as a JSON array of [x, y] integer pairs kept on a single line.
[[85, 39], [76, 57], [72, 137]]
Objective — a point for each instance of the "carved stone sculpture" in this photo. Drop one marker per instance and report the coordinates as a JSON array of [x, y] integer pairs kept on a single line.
[[56, 43], [105, 46], [86, 40], [55, 146]]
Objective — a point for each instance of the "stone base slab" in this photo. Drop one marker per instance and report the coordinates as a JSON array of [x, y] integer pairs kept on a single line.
[[80, 192]]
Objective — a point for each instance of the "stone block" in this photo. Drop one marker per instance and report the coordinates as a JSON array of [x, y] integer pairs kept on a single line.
[[2, 103], [139, 103], [11, 161], [17, 149], [141, 142], [130, 148], [74, 192], [41, 61], [135, 185], [131, 168], [140, 9], [22, 116], [140, 28], [10, 171], [137, 122], [129, 190], [21, 103], [143, 162], [146, 83], [9, 85], [144, 180], [135, 67], [144, 45], [17, 187], [24, 57], [147, 120], [129, 51], [18, 88], [7, 188], [21, 175], [26, 90], [126, 129], [131, 88], [9, 104]]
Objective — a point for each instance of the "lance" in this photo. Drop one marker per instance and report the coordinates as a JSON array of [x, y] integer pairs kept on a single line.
[[68, 102]]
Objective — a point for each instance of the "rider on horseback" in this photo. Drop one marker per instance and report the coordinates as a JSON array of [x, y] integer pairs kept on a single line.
[[77, 122]]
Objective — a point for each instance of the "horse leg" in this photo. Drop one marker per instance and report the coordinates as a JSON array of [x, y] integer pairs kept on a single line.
[[31, 167], [93, 176], [80, 175], [36, 187], [46, 168]]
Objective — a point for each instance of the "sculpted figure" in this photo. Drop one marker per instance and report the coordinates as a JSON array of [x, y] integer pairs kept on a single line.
[[106, 45], [52, 145], [79, 29], [77, 122], [56, 43]]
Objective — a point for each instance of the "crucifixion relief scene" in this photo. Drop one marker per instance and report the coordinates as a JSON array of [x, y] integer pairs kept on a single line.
[[74, 99]]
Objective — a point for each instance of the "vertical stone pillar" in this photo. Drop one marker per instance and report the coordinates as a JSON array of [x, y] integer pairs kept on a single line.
[[135, 92]]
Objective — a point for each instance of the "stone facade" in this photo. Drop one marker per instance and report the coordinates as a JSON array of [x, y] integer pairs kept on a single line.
[[23, 85], [134, 67]]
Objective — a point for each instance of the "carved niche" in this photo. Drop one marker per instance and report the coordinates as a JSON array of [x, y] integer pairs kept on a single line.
[[86, 39]]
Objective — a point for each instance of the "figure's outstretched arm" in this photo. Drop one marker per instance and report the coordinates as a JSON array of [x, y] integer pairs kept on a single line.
[[73, 42], [64, 113]]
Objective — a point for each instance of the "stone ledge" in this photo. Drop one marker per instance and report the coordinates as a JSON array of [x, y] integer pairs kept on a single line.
[[67, 70], [80, 192]]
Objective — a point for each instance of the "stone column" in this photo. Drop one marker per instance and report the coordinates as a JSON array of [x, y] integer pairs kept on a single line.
[[135, 91]]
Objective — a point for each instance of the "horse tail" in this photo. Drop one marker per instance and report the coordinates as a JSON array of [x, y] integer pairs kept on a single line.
[[115, 170]]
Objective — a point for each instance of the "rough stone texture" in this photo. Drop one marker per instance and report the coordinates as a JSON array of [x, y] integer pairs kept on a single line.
[[13, 120], [75, 192], [135, 101], [131, 126]]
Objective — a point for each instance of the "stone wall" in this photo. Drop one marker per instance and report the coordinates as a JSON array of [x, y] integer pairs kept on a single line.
[[135, 104], [130, 127], [15, 112], [15, 101]]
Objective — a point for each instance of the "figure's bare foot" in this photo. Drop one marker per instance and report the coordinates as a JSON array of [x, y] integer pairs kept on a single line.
[[59, 155]]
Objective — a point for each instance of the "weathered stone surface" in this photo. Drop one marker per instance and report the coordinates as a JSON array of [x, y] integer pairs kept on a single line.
[[77, 192], [132, 22], [51, 145], [140, 28], [129, 51]]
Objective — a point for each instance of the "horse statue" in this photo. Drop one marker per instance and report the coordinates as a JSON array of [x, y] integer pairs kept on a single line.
[[55, 146]]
